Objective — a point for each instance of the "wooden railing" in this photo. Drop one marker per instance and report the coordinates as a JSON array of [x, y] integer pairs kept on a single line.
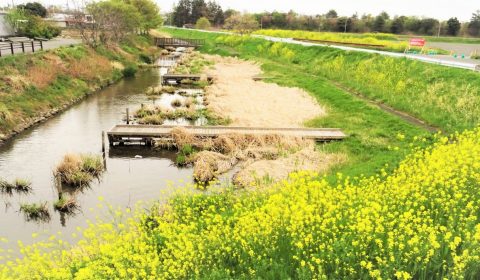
[[179, 42], [17, 47]]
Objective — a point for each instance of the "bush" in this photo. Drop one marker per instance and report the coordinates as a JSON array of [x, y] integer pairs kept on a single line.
[[145, 58], [130, 71], [203, 23]]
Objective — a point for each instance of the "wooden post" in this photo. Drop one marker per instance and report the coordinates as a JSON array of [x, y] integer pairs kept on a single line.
[[41, 45], [128, 116], [11, 48], [104, 155], [58, 184], [33, 46], [23, 47], [103, 142]]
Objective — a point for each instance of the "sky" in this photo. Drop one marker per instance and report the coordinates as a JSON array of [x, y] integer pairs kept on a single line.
[[440, 9]]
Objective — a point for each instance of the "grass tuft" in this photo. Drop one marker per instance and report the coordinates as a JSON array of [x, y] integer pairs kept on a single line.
[[79, 170], [18, 186], [66, 205], [35, 211]]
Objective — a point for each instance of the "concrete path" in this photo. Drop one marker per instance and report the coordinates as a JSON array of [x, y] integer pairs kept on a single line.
[[47, 45]]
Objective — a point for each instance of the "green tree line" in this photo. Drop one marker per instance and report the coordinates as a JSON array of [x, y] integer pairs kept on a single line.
[[188, 12]]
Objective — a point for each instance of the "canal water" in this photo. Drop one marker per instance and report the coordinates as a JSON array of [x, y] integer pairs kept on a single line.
[[133, 173]]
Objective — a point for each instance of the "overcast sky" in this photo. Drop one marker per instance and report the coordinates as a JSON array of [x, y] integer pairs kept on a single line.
[[440, 9]]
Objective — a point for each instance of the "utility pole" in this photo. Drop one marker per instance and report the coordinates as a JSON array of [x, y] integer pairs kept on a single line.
[[439, 28], [346, 21]]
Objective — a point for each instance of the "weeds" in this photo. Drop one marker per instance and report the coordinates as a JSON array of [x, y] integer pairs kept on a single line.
[[18, 186], [66, 205], [79, 170], [35, 211]]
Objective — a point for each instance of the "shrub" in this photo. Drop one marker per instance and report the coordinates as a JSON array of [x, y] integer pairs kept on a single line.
[[203, 23], [145, 58], [129, 71]]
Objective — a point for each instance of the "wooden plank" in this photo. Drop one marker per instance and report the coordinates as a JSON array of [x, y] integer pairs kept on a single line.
[[156, 131]]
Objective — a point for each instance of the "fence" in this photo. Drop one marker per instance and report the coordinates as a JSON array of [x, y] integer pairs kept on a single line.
[[24, 46]]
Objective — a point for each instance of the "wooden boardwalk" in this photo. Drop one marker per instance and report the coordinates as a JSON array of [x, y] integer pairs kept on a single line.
[[145, 134], [177, 78], [178, 42]]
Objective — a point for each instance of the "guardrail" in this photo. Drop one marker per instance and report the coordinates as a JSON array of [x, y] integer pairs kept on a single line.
[[23, 46]]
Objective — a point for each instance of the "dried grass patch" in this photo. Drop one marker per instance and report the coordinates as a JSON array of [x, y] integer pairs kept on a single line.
[[90, 67], [220, 154], [42, 76]]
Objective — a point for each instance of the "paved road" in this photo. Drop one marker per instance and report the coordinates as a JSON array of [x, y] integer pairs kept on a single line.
[[439, 59], [47, 45], [458, 48]]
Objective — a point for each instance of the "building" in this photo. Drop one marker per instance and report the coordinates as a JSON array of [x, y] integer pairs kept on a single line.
[[5, 28], [58, 19]]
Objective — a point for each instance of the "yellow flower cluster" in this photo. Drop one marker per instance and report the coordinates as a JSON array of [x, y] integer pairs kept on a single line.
[[389, 42], [422, 221]]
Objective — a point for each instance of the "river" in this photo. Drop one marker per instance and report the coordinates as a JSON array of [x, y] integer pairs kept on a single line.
[[34, 154]]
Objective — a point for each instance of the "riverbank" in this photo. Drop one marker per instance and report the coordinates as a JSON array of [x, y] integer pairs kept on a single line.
[[35, 87]]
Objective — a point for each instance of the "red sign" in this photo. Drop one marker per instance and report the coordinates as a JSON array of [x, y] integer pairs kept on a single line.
[[417, 42]]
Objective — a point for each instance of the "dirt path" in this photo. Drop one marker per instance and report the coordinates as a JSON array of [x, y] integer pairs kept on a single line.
[[235, 95], [246, 102]]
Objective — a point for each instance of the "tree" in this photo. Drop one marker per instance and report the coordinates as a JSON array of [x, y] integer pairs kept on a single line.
[[453, 26], [34, 9], [398, 25], [182, 12], [474, 25], [203, 23], [29, 25], [379, 24], [199, 9], [428, 26], [331, 14], [244, 24], [344, 24], [113, 21], [149, 14], [215, 13]]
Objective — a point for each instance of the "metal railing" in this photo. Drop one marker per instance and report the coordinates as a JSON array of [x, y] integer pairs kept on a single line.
[[20, 47]]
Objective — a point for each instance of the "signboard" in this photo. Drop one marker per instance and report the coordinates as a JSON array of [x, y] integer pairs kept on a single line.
[[417, 42]]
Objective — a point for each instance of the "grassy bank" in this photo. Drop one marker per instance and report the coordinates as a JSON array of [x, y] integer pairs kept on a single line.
[[35, 86]]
